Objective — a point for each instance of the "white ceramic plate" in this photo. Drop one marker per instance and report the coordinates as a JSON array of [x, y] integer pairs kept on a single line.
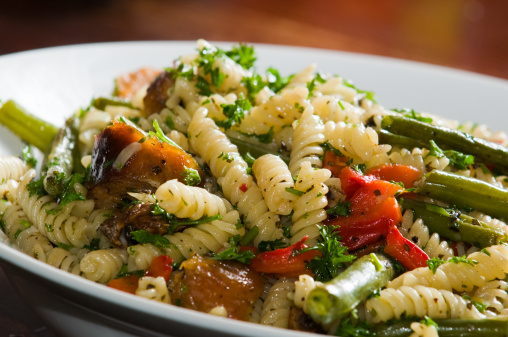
[[55, 82]]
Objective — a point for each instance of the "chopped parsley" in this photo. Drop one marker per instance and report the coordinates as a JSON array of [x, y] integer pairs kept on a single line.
[[480, 306], [311, 86], [69, 193], [366, 94], [333, 255], [265, 246], [434, 263], [160, 135], [27, 156], [243, 54], [428, 322], [191, 176], [294, 191], [234, 113], [462, 259], [343, 208], [142, 236], [458, 159], [124, 272], [235, 253]]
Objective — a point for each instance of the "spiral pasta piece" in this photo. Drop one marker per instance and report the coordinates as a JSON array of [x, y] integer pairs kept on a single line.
[[141, 256], [225, 163], [63, 259], [274, 178], [203, 238], [355, 141], [253, 206], [153, 288], [25, 236], [422, 330], [309, 207], [11, 168], [59, 226], [307, 139], [494, 295], [277, 305], [417, 232], [419, 301], [238, 187], [104, 264], [488, 265], [189, 201]]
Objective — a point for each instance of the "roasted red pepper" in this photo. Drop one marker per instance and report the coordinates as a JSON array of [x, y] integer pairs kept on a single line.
[[395, 172], [334, 163], [284, 261], [161, 266], [374, 209], [129, 284], [405, 251]]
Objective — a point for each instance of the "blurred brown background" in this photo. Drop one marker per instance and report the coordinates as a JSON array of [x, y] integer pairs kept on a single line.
[[464, 34]]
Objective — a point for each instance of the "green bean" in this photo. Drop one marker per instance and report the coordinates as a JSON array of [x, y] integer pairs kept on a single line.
[[448, 328], [386, 137], [446, 138], [455, 227], [101, 102], [464, 191], [256, 150], [338, 297], [26, 126]]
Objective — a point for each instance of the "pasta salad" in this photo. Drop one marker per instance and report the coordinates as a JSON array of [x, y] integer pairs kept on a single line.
[[297, 201]]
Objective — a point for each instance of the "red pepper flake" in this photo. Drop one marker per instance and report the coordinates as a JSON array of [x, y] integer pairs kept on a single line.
[[243, 187]]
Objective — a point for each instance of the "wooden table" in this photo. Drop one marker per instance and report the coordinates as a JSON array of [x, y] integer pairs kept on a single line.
[[464, 34]]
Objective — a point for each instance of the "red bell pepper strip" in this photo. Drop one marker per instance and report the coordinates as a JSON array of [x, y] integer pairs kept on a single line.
[[394, 172], [405, 251], [374, 209], [351, 180], [160, 266], [334, 163], [129, 284], [284, 261]]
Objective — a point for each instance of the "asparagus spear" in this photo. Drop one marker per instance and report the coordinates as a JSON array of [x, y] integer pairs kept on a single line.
[[340, 296], [62, 158], [29, 128], [465, 191], [456, 227], [448, 328], [446, 138]]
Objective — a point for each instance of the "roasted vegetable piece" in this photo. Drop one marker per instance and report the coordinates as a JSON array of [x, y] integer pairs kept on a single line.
[[446, 138], [337, 298], [62, 159], [26, 126], [128, 84], [405, 251], [407, 175], [464, 191], [374, 209], [454, 225], [206, 283], [447, 328], [284, 261], [157, 93], [124, 160]]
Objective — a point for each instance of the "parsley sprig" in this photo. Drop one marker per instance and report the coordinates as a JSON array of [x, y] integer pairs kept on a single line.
[[458, 159], [333, 255]]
